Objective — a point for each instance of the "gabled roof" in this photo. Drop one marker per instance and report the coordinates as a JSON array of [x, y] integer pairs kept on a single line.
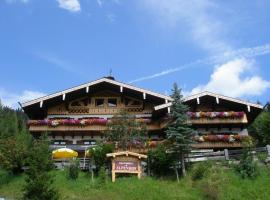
[[206, 93], [87, 85]]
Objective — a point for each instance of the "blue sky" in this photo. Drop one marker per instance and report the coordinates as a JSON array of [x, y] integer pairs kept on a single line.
[[220, 46]]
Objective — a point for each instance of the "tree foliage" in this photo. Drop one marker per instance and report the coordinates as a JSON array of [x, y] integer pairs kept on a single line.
[[124, 130], [14, 151], [179, 132], [260, 128], [14, 139], [38, 178]]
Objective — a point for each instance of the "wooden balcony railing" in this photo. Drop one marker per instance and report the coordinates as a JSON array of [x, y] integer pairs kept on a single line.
[[213, 145], [220, 120], [41, 128]]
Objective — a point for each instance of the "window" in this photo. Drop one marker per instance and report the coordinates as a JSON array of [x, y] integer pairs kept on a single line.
[[99, 102], [112, 102]]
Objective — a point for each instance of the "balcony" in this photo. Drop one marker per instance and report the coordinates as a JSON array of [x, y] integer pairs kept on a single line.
[[217, 117], [217, 145], [98, 124]]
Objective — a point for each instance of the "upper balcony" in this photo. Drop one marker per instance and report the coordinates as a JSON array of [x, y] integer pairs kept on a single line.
[[230, 117], [94, 124]]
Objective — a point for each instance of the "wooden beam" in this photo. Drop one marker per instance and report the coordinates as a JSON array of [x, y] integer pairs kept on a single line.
[[198, 100], [248, 107], [144, 95]]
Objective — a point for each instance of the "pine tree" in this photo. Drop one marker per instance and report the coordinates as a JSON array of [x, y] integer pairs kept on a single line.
[[179, 132], [38, 178]]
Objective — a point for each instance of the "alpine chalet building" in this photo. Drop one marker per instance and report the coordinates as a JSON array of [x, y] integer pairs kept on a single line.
[[76, 118]]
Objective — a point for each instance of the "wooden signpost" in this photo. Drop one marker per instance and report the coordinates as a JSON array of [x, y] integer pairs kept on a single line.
[[126, 162]]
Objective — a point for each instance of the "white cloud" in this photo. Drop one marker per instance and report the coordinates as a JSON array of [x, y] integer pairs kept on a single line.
[[70, 5], [167, 71], [248, 53], [60, 63], [231, 79], [201, 20], [197, 18], [100, 2], [11, 99]]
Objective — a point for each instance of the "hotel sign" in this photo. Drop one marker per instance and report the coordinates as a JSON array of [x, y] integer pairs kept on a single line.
[[126, 162], [126, 166]]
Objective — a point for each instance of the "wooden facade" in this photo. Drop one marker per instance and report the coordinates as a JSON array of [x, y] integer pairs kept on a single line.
[[78, 116]]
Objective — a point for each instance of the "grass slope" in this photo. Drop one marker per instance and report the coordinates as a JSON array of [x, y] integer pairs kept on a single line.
[[148, 188]]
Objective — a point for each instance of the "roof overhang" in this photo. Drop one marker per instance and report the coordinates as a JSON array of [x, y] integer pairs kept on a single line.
[[121, 85], [217, 96]]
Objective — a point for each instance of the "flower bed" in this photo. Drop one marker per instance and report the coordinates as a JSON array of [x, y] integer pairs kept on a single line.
[[75, 122], [213, 115], [222, 138]]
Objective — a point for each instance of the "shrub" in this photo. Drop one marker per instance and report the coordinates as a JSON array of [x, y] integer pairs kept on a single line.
[[73, 169], [159, 161], [98, 154], [5, 176], [200, 170], [102, 177], [247, 168]]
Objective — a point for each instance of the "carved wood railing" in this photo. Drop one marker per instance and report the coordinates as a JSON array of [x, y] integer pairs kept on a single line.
[[97, 111]]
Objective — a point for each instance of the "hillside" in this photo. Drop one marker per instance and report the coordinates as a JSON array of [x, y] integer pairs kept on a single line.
[[231, 187]]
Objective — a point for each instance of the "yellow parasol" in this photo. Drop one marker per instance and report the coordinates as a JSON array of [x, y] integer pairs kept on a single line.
[[64, 153]]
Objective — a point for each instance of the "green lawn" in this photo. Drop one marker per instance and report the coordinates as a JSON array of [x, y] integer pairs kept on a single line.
[[149, 188]]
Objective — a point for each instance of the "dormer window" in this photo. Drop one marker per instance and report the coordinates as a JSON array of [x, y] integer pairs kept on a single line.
[[112, 102]]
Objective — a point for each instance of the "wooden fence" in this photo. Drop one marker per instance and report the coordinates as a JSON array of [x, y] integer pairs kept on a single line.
[[204, 155]]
